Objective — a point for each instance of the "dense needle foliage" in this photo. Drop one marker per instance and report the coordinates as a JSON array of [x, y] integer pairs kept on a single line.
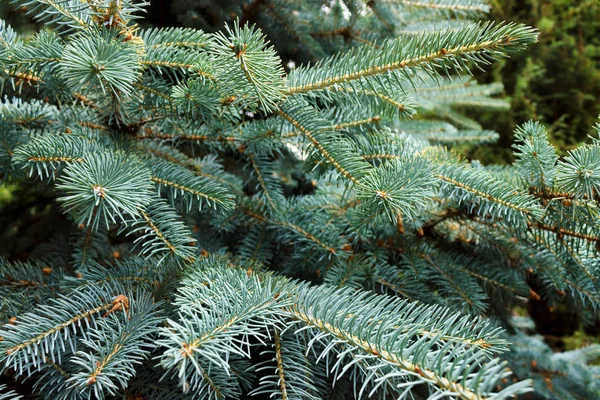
[[230, 227]]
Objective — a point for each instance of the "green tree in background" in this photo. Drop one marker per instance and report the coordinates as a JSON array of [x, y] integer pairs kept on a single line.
[[557, 81], [202, 215]]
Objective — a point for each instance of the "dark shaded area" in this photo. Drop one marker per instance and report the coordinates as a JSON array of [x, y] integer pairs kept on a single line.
[[28, 219]]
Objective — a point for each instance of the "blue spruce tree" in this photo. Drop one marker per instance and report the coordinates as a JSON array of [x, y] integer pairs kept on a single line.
[[227, 223]]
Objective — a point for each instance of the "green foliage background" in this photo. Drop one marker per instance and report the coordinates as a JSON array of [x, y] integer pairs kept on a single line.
[[556, 81]]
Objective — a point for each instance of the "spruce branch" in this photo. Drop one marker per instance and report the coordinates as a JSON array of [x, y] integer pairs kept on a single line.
[[445, 50], [579, 173], [334, 150], [380, 339], [187, 188], [44, 334], [82, 14], [8, 394], [297, 227], [132, 275], [265, 171], [536, 158], [211, 159], [105, 188], [398, 186], [480, 191], [238, 305], [384, 101], [248, 67], [34, 57], [290, 372], [175, 37], [71, 13], [456, 6], [161, 232], [109, 354], [46, 154], [102, 61]]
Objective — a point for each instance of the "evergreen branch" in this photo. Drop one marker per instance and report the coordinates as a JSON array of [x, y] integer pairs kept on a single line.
[[36, 80], [565, 232], [69, 11], [198, 138], [152, 91], [169, 64], [464, 136], [162, 232], [338, 152], [381, 156], [579, 173], [395, 289], [448, 87], [175, 61], [158, 232], [237, 305], [478, 188], [8, 394], [480, 193], [113, 349], [290, 372], [380, 339], [101, 62], [269, 189], [402, 107], [85, 248], [133, 274], [352, 124], [396, 187], [574, 256], [536, 158], [211, 171], [144, 128], [322, 150], [8, 37], [25, 77], [36, 56], [28, 117], [477, 43], [577, 288], [248, 68], [257, 245], [447, 5], [193, 189], [92, 125], [295, 228], [175, 37], [280, 371], [566, 257], [105, 187], [37, 336], [197, 97], [451, 282], [45, 154], [299, 230], [27, 284]]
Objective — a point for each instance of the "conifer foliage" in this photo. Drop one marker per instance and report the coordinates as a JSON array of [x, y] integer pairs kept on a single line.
[[198, 267]]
